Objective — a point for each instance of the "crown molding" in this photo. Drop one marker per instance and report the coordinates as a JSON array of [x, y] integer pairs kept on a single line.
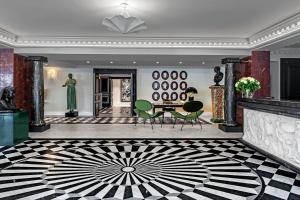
[[283, 30], [7, 38]]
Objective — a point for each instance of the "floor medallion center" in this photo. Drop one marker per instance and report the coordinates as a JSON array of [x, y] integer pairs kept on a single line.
[[128, 169]]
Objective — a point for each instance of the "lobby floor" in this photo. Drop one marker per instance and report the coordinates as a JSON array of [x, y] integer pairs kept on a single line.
[[88, 169], [129, 131]]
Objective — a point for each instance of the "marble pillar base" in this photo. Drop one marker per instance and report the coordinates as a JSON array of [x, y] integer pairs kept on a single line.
[[39, 128]]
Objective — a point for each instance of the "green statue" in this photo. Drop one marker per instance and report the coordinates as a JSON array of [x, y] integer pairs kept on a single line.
[[71, 93]]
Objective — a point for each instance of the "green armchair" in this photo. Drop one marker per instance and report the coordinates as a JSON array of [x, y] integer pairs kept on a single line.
[[142, 108], [193, 108]]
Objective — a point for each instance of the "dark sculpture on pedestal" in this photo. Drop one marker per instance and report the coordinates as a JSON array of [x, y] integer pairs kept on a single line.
[[219, 76], [71, 96], [7, 101]]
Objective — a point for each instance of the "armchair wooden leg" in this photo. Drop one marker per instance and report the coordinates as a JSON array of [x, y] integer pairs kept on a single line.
[[174, 122], [200, 123], [144, 121], [135, 120], [183, 124], [151, 122]]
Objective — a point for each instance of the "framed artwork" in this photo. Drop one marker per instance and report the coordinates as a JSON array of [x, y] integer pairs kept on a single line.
[[125, 90], [155, 75], [165, 85], [155, 85], [174, 75], [174, 96], [155, 96], [183, 96], [165, 75], [183, 75], [183, 85], [165, 96], [174, 85]]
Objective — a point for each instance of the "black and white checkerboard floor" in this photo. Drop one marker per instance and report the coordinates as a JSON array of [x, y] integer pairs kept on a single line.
[[142, 169], [103, 120]]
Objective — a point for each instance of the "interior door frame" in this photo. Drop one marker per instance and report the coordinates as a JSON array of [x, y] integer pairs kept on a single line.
[[285, 65], [131, 72]]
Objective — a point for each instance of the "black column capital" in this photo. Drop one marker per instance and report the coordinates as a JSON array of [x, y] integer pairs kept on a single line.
[[38, 58], [231, 60]]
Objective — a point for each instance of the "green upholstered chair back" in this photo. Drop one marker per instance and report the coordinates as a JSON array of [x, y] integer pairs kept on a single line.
[[192, 106], [143, 105]]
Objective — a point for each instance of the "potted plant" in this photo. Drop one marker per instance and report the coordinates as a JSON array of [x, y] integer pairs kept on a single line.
[[247, 86]]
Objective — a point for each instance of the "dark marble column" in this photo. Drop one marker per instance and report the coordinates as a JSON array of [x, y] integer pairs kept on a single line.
[[230, 124], [37, 123]]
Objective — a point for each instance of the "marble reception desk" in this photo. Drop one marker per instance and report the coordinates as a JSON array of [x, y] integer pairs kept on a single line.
[[274, 127]]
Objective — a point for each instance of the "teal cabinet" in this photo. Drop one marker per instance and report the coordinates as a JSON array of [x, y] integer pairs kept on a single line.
[[14, 128]]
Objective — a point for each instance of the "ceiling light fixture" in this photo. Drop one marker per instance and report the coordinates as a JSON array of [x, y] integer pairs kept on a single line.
[[180, 62], [111, 62], [124, 23], [88, 62], [134, 62], [157, 62]]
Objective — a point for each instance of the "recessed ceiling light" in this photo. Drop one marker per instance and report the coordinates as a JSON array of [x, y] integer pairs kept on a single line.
[[203, 63], [157, 62], [180, 62], [87, 62], [111, 62], [134, 62]]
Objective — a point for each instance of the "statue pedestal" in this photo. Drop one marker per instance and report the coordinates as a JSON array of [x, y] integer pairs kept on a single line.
[[71, 114], [217, 97]]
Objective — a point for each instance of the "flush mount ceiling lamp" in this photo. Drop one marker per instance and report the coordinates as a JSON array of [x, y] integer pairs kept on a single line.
[[124, 23]]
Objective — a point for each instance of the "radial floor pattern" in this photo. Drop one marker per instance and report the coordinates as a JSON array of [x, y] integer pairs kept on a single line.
[[134, 172]]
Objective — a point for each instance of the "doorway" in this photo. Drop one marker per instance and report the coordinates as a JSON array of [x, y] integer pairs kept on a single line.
[[114, 92], [290, 82]]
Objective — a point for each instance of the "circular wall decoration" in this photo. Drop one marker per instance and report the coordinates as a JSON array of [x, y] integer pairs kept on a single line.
[[165, 96], [155, 85], [183, 75], [174, 85], [155, 96], [165, 85], [155, 75], [174, 75], [183, 85], [174, 96], [183, 96], [165, 75]]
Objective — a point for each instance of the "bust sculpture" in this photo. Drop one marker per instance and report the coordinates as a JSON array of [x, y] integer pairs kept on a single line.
[[7, 99], [71, 93], [218, 76]]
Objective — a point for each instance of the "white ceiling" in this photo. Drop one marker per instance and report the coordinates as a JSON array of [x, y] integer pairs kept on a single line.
[[165, 18]]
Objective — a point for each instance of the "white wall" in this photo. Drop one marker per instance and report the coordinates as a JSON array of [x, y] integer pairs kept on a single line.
[[55, 98], [200, 78], [116, 94]]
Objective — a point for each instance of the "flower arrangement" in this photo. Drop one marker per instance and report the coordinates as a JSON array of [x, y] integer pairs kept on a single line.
[[247, 85]]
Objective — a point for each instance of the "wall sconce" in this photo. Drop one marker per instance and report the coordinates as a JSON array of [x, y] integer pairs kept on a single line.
[[52, 74]]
